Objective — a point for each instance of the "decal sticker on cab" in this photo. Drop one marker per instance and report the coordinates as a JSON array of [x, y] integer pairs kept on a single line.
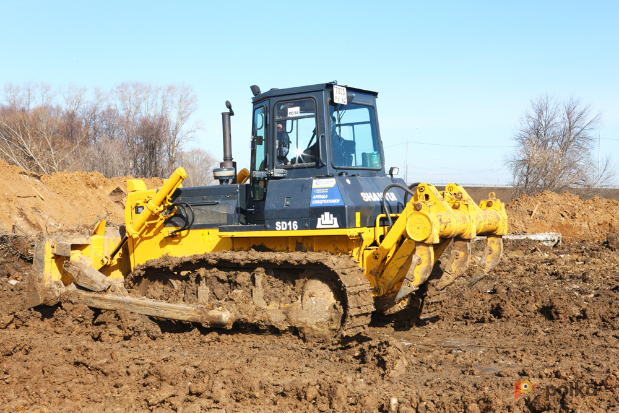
[[286, 225], [377, 196], [325, 193]]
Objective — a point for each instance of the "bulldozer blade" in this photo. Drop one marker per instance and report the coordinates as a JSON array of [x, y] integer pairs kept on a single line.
[[86, 276], [89, 278], [40, 291], [457, 264], [182, 312]]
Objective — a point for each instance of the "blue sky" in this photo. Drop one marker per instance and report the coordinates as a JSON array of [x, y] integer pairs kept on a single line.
[[448, 73]]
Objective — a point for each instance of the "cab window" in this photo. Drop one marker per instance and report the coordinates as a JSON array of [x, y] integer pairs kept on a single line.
[[354, 137], [259, 140], [295, 129]]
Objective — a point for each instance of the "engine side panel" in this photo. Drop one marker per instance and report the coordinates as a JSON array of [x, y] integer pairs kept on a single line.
[[212, 206], [331, 202]]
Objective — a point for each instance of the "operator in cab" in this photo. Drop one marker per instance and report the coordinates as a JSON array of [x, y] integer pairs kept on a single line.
[[342, 149], [283, 145]]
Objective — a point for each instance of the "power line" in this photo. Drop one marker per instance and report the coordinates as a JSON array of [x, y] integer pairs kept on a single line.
[[395, 144], [467, 146], [452, 146], [464, 146]]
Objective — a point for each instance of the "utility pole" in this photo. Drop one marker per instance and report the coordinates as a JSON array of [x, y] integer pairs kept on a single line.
[[599, 145], [406, 167]]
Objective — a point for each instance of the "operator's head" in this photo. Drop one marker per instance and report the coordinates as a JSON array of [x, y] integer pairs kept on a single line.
[[280, 127]]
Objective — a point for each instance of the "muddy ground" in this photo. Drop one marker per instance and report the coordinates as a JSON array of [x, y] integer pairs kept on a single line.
[[547, 315]]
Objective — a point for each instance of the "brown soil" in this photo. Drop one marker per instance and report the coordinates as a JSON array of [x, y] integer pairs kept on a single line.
[[547, 315], [550, 318], [62, 201], [577, 219]]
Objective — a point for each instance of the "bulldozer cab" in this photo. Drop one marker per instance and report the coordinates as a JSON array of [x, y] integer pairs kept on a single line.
[[322, 130]]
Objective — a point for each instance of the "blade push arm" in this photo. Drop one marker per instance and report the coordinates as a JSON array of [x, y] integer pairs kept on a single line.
[[156, 205]]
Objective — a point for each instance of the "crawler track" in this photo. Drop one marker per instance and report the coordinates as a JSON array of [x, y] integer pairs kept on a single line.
[[263, 288]]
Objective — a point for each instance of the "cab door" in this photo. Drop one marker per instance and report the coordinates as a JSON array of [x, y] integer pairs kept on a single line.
[[260, 163]]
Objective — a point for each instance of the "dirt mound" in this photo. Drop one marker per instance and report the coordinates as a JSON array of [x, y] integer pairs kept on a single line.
[[61, 201], [71, 200], [569, 214]]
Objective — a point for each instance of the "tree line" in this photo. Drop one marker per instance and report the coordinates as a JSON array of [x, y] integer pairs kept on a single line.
[[135, 128], [141, 129]]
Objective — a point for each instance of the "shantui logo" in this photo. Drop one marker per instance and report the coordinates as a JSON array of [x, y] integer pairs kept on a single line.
[[523, 387], [327, 220]]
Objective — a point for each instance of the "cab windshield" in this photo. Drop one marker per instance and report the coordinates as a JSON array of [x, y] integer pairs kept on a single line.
[[354, 137]]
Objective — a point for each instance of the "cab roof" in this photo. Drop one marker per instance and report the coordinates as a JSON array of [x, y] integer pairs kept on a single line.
[[306, 89]]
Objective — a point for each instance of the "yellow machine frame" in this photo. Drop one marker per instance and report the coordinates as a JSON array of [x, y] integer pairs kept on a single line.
[[395, 260]]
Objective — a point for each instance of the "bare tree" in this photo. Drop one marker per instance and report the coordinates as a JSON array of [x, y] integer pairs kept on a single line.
[[179, 104], [138, 129], [168, 111], [554, 144], [74, 96], [35, 140], [14, 96], [199, 165], [109, 156], [28, 95]]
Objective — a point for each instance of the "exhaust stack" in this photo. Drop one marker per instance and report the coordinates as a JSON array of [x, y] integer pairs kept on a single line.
[[226, 173]]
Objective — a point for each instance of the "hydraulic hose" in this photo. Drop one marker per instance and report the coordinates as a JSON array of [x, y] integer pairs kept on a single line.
[[182, 208], [408, 191], [411, 186]]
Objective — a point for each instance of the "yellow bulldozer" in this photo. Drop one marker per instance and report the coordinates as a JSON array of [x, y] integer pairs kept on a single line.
[[314, 237]]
